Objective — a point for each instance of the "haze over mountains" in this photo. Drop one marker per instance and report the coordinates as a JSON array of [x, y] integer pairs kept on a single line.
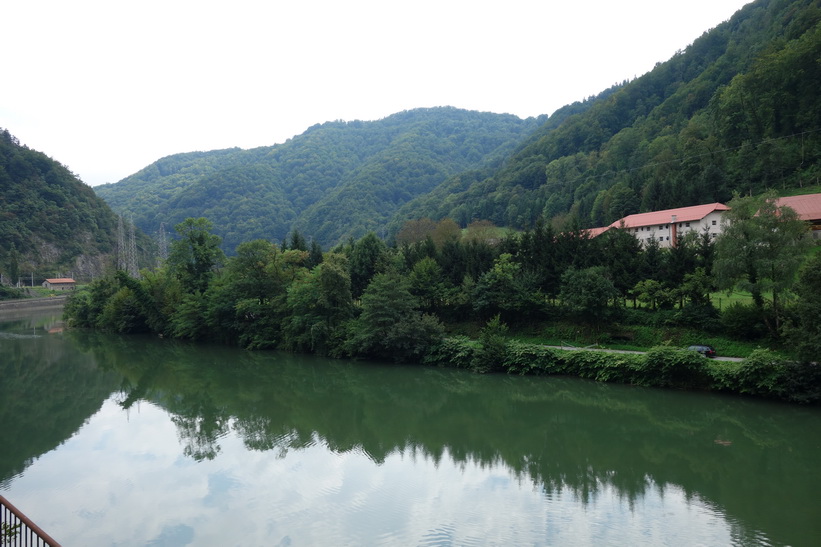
[[738, 110]]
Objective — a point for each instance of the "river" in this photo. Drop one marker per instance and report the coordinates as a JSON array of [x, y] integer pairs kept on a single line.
[[134, 440]]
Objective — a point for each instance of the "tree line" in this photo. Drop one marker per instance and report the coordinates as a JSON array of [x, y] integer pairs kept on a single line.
[[367, 299]]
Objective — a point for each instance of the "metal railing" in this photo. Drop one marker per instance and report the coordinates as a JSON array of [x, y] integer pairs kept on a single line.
[[17, 530]]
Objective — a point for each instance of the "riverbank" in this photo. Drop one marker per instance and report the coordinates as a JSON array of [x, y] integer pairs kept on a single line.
[[33, 303]]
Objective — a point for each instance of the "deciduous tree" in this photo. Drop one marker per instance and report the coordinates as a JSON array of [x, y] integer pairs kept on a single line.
[[803, 330], [195, 256], [760, 250]]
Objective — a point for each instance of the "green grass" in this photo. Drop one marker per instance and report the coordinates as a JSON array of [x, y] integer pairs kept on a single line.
[[631, 338], [800, 191], [722, 299]]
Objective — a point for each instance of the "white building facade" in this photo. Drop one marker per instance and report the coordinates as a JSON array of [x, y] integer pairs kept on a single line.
[[665, 227]]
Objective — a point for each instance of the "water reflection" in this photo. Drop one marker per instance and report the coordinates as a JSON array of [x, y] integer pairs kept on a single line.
[[625, 456], [47, 390], [754, 460]]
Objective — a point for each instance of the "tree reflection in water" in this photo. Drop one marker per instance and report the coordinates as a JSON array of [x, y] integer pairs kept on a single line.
[[561, 435]]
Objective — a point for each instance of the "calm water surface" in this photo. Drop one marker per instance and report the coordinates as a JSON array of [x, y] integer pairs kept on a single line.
[[109, 440]]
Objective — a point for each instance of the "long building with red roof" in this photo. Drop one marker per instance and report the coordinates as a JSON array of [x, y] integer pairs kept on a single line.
[[667, 225]]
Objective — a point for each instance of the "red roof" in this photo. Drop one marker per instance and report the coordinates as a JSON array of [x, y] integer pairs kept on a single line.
[[808, 206], [593, 232], [683, 214], [61, 280]]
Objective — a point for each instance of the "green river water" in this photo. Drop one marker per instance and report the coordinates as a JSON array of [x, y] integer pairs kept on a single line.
[[112, 440]]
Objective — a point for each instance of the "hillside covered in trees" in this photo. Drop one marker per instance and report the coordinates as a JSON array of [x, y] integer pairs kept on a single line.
[[50, 221], [335, 181], [736, 111]]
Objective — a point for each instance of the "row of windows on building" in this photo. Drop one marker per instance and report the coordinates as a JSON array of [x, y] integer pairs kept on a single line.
[[667, 238], [665, 227]]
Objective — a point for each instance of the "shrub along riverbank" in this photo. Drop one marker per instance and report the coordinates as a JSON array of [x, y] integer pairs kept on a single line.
[[762, 374]]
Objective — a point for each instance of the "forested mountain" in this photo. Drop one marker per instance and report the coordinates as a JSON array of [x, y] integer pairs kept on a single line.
[[738, 110], [335, 181], [50, 221]]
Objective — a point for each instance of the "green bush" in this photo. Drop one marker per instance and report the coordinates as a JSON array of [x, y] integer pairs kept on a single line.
[[601, 366], [648, 318], [671, 367], [453, 351], [723, 375], [491, 354], [523, 358], [705, 318], [802, 382], [763, 373], [123, 314], [743, 322], [9, 293]]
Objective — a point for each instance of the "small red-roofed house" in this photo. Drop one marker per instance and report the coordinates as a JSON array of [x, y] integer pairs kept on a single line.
[[60, 284]]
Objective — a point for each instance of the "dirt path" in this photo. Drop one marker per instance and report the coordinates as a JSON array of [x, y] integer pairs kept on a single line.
[[574, 348]]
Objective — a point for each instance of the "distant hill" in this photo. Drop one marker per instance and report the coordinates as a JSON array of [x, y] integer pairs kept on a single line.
[[50, 221], [335, 181], [738, 110]]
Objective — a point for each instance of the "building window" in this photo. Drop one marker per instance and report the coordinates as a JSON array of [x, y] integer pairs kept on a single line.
[[648, 240], [661, 238], [687, 224], [714, 223]]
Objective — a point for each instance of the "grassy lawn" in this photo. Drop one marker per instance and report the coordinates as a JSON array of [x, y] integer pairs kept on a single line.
[[630, 338], [722, 300]]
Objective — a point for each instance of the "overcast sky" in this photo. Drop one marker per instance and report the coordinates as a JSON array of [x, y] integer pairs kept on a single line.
[[107, 88]]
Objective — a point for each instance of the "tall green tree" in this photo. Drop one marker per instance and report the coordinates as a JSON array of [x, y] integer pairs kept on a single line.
[[588, 294], [428, 283], [803, 330], [251, 271], [390, 325], [368, 257], [760, 250], [13, 264], [196, 254], [622, 256], [505, 290], [318, 305]]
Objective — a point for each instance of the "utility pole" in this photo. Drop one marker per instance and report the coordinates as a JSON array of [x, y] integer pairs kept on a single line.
[[132, 250], [163, 245], [121, 264]]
